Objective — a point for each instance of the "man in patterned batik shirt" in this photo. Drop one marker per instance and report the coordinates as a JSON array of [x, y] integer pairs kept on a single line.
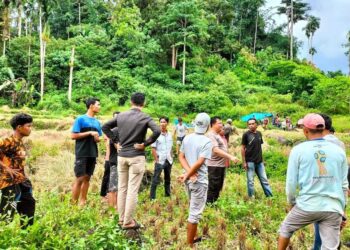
[[16, 189]]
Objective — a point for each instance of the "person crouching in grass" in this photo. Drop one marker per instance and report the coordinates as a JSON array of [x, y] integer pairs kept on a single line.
[[15, 187], [195, 150]]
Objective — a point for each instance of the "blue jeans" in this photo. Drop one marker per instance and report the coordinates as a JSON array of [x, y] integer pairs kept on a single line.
[[318, 241], [259, 169]]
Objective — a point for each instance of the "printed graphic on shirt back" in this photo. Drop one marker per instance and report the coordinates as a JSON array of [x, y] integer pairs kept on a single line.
[[321, 157]]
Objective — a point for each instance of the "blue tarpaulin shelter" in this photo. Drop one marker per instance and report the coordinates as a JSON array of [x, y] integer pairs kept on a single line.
[[256, 115]]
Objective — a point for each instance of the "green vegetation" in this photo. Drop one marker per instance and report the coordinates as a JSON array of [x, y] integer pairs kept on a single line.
[[235, 221], [225, 58], [222, 57]]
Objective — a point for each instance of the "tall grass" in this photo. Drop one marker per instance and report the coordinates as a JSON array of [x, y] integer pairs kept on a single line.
[[234, 222]]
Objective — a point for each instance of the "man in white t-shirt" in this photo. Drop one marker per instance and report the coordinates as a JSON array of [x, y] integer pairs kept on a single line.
[[180, 133]]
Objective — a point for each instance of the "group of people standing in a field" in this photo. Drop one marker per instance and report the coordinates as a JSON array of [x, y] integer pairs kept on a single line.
[[316, 182]]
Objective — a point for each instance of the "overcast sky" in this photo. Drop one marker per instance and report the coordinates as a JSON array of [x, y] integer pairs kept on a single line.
[[328, 39]]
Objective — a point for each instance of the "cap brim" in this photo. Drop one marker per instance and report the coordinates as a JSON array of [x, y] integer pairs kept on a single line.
[[199, 130]]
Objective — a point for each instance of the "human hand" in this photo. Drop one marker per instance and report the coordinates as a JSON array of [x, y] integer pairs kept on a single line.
[[194, 178], [12, 172], [21, 154], [234, 159], [343, 222], [245, 165], [181, 178], [139, 146], [117, 146], [95, 135]]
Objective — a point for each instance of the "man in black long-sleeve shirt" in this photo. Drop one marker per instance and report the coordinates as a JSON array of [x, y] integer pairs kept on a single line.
[[132, 128]]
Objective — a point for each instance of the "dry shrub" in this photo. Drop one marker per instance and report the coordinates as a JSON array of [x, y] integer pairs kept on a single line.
[[205, 231], [182, 220], [242, 237], [157, 230], [170, 206], [152, 221], [174, 232], [56, 173], [221, 234], [256, 227], [157, 209]]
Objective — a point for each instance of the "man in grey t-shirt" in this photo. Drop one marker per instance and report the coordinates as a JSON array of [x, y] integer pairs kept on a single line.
[[195, 150]]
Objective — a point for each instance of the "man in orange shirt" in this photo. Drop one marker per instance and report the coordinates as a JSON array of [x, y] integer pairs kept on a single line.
[[16, 189]]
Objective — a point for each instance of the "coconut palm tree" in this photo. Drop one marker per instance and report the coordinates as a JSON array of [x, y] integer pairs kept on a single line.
[[312, 52], [313, 23], [347, 46], [296, 10]]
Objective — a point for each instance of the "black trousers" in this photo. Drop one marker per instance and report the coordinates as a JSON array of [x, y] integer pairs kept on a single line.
[[155, 181], [216, 177], [18, 198], [105, 179]]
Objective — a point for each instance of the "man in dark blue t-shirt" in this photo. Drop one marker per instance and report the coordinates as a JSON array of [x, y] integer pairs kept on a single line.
[[86, 132]]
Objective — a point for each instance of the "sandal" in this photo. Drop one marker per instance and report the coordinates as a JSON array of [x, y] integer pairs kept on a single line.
[[120, 223], [198, 239], [136, 226]]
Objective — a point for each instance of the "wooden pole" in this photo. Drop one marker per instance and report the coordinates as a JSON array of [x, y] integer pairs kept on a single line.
[[71, 66]]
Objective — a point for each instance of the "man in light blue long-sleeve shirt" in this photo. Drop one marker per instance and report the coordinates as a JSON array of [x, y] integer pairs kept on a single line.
[[316, 186], [328, 136]]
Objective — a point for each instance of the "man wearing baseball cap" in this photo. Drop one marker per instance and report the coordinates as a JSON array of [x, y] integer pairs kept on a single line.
[[229, 129], [318, 170], [195, 149]]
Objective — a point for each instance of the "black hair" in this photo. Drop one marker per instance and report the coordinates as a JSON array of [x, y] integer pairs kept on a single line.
[[179, 119], [20, 119], [327, 121], [315, 131], [91, 101], [138, 99], [332, 130], [213, 120], [252, 119], [165, 118], [116, 113]]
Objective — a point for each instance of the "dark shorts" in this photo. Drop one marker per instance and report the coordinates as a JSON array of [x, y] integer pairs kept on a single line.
[[84, 166], [179, 140]]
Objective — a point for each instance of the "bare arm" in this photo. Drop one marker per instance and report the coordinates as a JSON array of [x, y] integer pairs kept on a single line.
[[243, 157], [194, 168], [156, 133], [184, 162], [107, 130], [223, 154], [77, 136]]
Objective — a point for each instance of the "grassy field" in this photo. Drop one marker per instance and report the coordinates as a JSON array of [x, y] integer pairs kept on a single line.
[[234, 222]]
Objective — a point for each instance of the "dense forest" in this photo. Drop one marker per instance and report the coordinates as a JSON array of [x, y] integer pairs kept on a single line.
[[226, 57]]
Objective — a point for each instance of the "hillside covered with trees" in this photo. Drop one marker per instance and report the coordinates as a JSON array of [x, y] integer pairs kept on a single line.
[[226, 57]]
